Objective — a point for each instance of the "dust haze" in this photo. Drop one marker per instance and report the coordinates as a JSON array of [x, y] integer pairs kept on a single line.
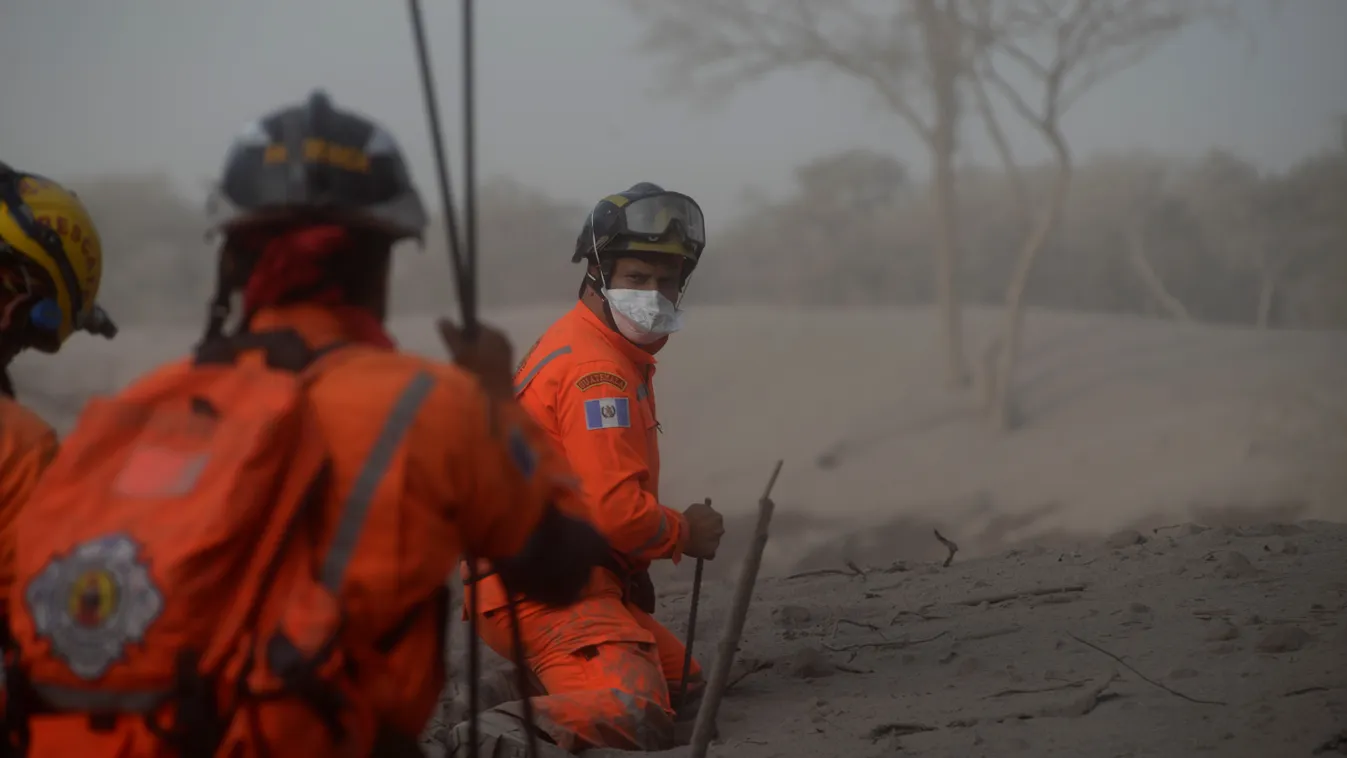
[[1031, 273], [885, 203]]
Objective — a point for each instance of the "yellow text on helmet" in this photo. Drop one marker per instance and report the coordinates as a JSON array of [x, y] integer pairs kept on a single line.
[[344, 157]]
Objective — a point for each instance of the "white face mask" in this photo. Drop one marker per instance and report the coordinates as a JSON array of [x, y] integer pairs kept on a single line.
[[643, 316]]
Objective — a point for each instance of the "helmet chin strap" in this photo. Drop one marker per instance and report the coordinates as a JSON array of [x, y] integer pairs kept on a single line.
[[594, 245], [602, 279], [683, 289], [599, 292]]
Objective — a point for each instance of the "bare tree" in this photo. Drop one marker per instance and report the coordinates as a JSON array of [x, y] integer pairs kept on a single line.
[[1142, 200], [1251, 220], [913, 55], [1064, 50], [1139, 257], [1307, 208]]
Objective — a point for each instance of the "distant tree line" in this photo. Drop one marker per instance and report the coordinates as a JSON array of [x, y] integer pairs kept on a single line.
[[1211, 239]]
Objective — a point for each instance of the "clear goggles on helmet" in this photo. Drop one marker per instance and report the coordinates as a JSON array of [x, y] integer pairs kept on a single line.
[[654, 216]]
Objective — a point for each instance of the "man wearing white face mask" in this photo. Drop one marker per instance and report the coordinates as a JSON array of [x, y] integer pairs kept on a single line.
[[608, 670]]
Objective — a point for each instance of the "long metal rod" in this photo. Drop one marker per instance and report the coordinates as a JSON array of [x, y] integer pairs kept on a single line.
[[463, 262], [522, 680], [463, 282], [692, 635], [692, 631], [474, 661], [470, 161]]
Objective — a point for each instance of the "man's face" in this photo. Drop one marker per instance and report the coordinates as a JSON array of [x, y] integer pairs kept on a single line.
[[651, 271]]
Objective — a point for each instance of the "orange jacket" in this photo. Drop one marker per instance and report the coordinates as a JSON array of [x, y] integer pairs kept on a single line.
[[454, 485], [27, 445], [592, 390]]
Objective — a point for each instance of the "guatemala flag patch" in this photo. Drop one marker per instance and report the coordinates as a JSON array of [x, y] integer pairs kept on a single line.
[[607, 413]]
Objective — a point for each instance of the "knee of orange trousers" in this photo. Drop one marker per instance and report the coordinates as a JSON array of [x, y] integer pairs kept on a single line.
[[555, 634], [496, 631], [608, 695], [671, 651]]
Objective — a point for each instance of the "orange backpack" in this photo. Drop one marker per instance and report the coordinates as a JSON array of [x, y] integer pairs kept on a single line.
[[170, 599]]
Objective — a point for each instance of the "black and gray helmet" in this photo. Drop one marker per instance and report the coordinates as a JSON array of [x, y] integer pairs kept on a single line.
[[644, 218], [314, 161]]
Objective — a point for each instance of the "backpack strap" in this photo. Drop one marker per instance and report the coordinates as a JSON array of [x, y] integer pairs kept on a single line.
[[285, 349]]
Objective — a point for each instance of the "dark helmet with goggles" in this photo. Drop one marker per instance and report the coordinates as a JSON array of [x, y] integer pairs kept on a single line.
[[315, 162], [644, 219]]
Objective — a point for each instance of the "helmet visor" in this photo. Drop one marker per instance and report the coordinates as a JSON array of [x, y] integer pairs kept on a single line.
[[656, 215]]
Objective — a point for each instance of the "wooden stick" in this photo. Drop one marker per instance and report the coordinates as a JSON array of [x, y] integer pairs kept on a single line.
[[1144, 678], [949, 545], [729, 641], [1003, 597]]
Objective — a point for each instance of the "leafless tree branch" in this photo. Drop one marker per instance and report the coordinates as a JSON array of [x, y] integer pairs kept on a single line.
[[716, 46], [1065, 50]]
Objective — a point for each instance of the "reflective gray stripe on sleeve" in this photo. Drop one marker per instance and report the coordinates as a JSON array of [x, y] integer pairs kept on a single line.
[[100, 701], [372, 472], [641, 392], [555, 354], [659, 534]]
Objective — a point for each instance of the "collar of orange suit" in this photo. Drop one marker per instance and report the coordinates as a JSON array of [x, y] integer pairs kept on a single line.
[[637, 354], [323, 324]]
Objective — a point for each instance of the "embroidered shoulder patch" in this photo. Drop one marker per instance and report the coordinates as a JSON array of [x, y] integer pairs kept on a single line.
[[589, 381], [94, 602], [521, 452], [607, 413]]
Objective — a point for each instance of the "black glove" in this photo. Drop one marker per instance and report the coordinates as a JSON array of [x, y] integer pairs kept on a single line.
[[641, 591], [555, 565]]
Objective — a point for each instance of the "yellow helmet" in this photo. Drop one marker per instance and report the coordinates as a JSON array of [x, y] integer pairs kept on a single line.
[[45, 226]]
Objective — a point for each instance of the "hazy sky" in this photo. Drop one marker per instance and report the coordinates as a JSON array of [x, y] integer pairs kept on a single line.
[[565, 101]]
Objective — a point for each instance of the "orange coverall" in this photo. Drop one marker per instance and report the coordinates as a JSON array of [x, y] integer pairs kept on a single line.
[[607, 667], [27, 445], [451, 485]]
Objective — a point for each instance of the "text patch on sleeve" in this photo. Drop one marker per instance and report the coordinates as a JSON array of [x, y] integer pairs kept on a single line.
[[589, 381]]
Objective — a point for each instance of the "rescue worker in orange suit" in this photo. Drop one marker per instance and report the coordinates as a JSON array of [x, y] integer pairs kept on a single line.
[[51, 263], [311, 203], [607, 667]]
